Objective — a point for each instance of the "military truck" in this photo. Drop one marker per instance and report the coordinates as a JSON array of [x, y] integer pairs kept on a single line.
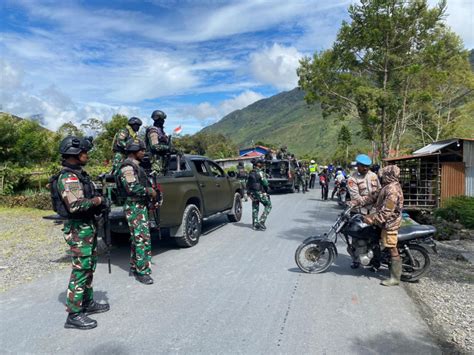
[[281, 175], [194, 188]]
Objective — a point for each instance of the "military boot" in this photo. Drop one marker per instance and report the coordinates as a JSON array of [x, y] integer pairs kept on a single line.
[[262, 225], [92, 307], [79, 321], [256, 226], [144, 279], [395, 273]]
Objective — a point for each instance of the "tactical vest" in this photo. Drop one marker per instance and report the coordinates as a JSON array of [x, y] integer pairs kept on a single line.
[[254, 181], [139, 172], [56, 200], [162, 138]]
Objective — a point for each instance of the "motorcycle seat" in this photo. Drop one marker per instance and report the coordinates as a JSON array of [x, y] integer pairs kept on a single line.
[[416, 231]]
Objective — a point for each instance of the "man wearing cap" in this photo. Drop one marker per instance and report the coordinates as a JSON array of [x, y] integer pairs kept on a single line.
[[136, 185], [364, 187], [120, 141]]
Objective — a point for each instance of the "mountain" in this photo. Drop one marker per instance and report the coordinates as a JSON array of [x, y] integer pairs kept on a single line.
[[287, 119]]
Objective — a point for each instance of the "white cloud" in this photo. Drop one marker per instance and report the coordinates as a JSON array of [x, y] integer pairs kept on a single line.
[[461, 19], [276, 66], [52, 105], [208, 113]]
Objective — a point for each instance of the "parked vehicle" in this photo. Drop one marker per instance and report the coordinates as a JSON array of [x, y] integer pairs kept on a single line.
[[317, 253], [281, 175]]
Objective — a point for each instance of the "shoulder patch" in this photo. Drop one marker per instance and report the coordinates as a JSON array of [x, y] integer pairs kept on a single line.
[[351, 183], [128, 174]]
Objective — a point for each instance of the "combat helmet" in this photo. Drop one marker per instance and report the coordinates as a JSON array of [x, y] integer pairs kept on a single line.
[[363, 159], [134, 146], [135, 121], [158, 114], [72, 145]]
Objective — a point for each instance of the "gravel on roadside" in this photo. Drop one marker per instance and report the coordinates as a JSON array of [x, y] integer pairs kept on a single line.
[[30, 246], [446, 296]]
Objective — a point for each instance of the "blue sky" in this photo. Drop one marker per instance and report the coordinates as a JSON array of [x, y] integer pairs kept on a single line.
[[197, 60]]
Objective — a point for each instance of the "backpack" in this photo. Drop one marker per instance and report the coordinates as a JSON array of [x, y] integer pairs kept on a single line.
[[322, 179]]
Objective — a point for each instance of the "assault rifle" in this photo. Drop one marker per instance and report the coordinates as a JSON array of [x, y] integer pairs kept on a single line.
[[105, 218]]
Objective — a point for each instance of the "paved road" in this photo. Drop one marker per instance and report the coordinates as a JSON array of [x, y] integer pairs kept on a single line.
[[237, 291]]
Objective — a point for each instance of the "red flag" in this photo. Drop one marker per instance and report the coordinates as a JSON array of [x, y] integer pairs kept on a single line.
[[178, 130]]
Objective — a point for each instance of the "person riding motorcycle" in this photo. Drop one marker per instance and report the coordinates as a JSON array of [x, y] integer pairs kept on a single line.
[[388, 216], [363, 185], [339, 182]]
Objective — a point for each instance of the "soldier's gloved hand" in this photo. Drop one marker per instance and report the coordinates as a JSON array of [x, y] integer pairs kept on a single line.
[[97, 200]]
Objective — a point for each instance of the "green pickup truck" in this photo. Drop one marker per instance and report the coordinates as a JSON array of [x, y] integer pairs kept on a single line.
[[194, 188]]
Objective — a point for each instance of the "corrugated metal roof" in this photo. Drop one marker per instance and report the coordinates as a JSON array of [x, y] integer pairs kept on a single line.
[[434, 147], [408, 157]]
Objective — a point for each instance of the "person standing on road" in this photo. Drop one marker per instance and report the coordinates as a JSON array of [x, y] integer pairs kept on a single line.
[[257, 187], [388, 216], [313, 168], [157, 142], [120, 141], [339, 180], [136, 186], [75, 198], [242, 176], [323, 182]]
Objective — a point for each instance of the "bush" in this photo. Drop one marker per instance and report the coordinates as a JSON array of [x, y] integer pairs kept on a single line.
[[41, 201], [458, 209]]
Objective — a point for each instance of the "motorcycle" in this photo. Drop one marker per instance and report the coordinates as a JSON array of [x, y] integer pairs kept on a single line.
[[317, 253]]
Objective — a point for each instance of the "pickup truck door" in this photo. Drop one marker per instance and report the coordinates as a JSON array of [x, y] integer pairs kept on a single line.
[[208, 187], [224, 195]]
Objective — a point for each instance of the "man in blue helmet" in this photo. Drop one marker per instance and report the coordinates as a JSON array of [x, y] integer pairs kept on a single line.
[[364, 187]]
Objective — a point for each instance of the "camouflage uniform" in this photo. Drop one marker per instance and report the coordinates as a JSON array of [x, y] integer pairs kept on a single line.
[[80, 234], [118, 146], [135, 182], [389, 206], [260, 196], [363, 190], [300, 179], [157, 143]]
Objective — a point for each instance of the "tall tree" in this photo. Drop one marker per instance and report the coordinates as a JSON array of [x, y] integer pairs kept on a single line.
[[69, 129], [369, 72]]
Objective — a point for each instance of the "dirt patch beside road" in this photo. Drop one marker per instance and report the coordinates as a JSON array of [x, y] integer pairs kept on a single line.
[[446, 296], [30, 246]]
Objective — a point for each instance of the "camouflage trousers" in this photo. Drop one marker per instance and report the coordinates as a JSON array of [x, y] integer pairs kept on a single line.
[[257, 198], [116, 161], [82, 239], [140, 254]]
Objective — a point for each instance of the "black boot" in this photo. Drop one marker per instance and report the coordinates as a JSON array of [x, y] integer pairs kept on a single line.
[[94, 307], [256, 226], [79, 321], [144, 279], [262, 225]]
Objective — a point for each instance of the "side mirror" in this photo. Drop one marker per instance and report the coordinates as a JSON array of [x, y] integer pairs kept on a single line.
[[231, 174]]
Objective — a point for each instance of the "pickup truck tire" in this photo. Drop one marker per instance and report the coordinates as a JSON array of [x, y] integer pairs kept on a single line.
[[236, 208], [191, 225]]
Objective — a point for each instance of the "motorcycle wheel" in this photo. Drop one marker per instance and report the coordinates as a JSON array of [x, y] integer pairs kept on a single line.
[[312, 258], [413, 271]]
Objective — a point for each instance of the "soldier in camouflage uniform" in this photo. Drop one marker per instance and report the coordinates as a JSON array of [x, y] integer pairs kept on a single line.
[[242, 176], [157, 142], [388, 216], [120, 141], [75, 195], [257, 187], [137, 187]]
